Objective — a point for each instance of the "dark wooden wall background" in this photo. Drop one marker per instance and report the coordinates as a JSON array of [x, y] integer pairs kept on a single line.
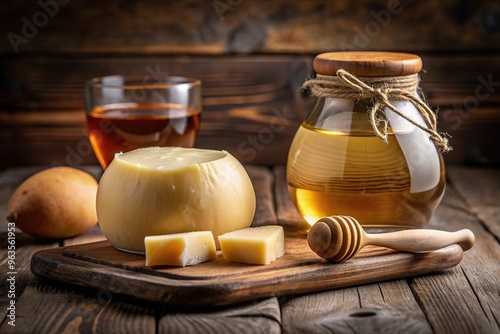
[[252, 57]]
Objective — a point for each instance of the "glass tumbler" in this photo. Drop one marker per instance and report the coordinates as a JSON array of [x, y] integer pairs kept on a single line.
[[126, 113]]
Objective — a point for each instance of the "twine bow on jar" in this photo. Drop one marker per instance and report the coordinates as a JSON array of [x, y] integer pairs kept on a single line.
[[380, 91]]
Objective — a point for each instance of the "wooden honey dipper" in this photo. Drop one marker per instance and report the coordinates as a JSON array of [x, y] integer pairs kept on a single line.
[[338, 238]]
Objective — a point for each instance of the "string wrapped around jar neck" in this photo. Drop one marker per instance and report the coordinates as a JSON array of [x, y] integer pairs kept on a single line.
[[379, 91]]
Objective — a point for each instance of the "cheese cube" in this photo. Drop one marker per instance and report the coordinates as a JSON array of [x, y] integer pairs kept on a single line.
[[253, 245], [180, 249]]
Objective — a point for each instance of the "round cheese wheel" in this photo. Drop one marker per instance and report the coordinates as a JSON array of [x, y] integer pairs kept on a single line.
[[164, 190]]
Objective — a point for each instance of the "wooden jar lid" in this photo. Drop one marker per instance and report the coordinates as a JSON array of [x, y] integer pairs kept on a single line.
[[368, 63]]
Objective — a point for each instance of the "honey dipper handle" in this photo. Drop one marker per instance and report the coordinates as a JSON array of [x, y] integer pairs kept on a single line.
[[418, 241]]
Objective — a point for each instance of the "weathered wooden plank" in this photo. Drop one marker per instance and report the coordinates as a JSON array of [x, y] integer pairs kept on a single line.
[[285, 209], [92, 235], [397, 299], [459, 81], [54, 83], [252, 104], [242, 27], [466, 298], [262, 180], [257, 317], [450, 304], [247, 105], [25, 247], [473, 138], [49, 307], [387, 307], [321, 312], [453, 199], [20, 274], [489, 217], [481, 267], [479, 187]]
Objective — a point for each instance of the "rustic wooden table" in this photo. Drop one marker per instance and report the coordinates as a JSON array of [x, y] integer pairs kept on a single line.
[[465, 299]]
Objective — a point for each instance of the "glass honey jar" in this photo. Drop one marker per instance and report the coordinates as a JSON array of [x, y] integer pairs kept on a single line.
[[369, 148]]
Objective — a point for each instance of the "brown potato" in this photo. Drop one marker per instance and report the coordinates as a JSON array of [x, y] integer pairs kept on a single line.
[[57, 202]]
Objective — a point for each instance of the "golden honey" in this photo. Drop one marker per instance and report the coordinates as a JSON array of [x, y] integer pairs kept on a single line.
[[337, 166]]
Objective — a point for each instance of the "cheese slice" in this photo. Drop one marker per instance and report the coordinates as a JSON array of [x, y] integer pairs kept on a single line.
[[253, 245], [180, 249]]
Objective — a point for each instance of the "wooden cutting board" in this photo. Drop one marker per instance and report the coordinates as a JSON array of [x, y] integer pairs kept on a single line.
[[220, 282]]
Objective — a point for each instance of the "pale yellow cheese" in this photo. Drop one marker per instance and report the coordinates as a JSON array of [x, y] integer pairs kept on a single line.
[[180, 249], [165, 190], [253, 245]]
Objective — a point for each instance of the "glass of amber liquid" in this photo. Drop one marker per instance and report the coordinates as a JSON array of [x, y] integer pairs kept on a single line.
[[124, 113]]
